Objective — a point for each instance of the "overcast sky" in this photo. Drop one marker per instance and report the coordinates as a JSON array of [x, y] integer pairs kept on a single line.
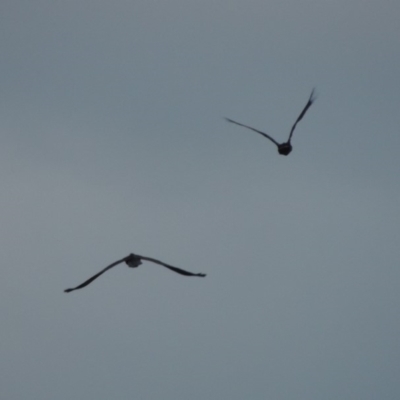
[[113, 141]]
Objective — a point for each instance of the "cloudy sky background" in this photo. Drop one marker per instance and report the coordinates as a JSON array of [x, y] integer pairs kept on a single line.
[[113, 141]]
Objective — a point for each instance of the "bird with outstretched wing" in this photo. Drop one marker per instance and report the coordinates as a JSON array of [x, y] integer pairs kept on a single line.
[[133, 261], [286, 147]]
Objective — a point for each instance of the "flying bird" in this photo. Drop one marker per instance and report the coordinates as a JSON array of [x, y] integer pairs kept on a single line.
[[132, 261], [286, 147]]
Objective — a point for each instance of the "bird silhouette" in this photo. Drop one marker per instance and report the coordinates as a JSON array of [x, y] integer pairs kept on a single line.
[[286, 147], [132, 261]]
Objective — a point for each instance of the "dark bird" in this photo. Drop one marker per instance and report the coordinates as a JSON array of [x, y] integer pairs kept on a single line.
[[133, 261], [286, 147]]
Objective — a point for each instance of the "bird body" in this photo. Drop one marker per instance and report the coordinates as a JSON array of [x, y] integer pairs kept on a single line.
[[286, 147], [133, 261]]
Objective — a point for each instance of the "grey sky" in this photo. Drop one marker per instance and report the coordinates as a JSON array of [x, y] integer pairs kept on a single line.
[[113, 141]]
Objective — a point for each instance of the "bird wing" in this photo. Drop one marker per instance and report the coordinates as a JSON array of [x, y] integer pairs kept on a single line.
[[90, 280], [255, 130], [175, 269], [308, 105]]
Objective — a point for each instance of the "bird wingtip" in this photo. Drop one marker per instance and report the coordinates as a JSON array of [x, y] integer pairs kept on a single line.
[[313, 95]]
